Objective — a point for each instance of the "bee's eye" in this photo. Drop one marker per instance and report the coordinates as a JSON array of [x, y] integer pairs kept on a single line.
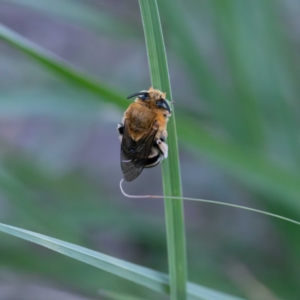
[[163, 104]]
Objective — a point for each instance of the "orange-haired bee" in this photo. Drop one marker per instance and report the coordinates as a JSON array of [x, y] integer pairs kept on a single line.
[[143, 132]]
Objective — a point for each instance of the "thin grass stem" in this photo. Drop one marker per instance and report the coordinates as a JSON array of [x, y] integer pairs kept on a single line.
[[170, 168]]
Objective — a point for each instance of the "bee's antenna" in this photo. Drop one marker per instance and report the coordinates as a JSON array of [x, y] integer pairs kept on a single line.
[[208, 201], [141, 93]]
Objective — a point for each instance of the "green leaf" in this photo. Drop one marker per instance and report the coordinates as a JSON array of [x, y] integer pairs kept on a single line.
[[170, 167], [146, 277], [60, 67]]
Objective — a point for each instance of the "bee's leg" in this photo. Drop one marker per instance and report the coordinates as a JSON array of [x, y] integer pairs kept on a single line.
[[163, 147], [120, 128], [155, 126], [164, 135], [154, 158]]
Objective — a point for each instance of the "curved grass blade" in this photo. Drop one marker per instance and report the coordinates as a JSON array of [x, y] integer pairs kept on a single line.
[[146, 277], [170, 167], [60, 67]]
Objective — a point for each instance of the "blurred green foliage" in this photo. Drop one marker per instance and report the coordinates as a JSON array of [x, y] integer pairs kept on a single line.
[[234, 70]]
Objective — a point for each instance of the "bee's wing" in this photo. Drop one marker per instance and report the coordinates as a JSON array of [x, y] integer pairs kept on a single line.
[[134, 154]]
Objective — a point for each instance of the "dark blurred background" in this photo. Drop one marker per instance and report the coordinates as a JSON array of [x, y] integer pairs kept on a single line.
[[234, 68]]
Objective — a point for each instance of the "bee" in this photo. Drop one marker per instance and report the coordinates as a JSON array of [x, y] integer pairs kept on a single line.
[[143, 132]]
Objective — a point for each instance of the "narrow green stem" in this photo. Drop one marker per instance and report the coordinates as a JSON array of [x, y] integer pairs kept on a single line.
[[170, 167]]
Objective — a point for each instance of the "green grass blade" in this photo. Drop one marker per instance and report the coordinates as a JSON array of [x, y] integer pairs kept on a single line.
[[146, 277], [139, 275], [59, 66], [171, 169]]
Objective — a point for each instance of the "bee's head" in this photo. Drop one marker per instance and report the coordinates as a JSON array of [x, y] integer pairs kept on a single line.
[[155, 95]]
